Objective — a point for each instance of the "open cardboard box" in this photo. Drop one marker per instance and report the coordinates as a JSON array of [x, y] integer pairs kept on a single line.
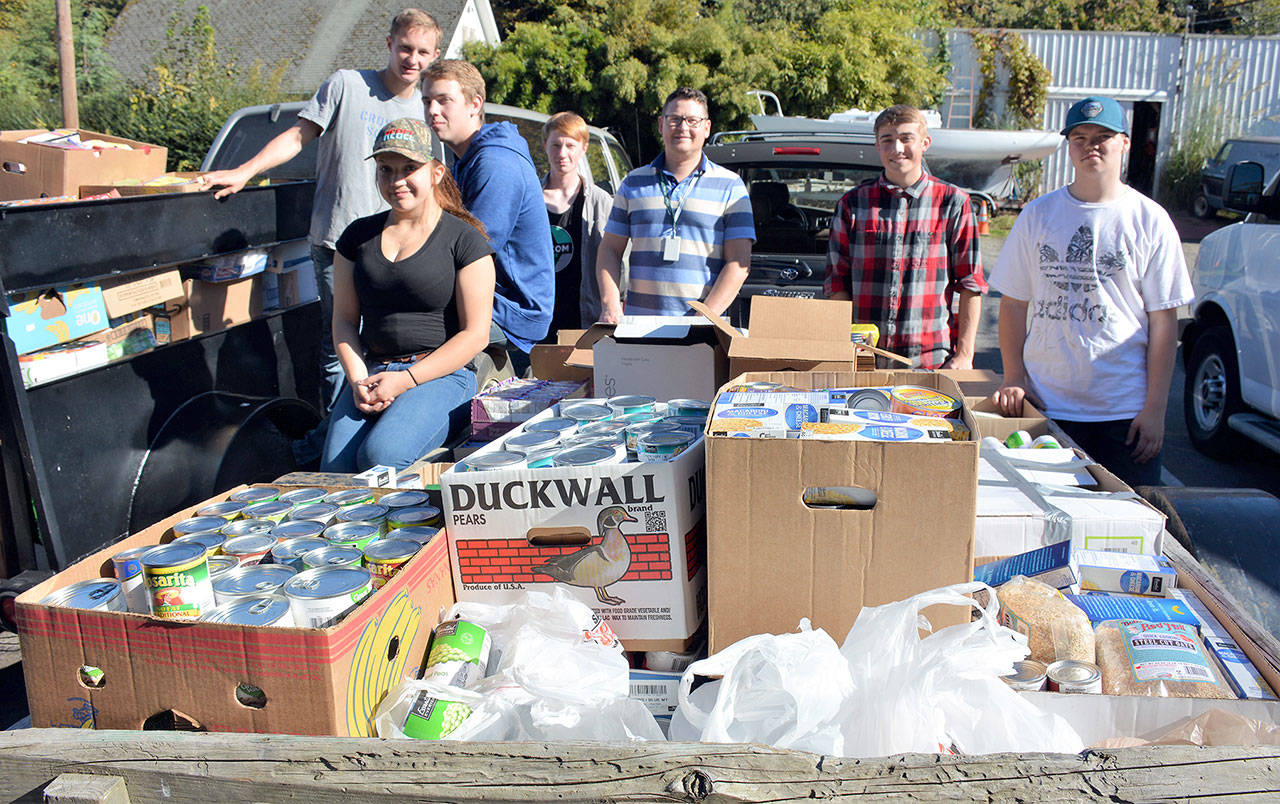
[[316, 681], [992, 422], [209, 307], [666, 357], [29, 170], [772, 559], [136, 186]]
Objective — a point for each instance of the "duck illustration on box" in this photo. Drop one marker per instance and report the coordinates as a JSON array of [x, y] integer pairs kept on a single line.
[[596, 566]]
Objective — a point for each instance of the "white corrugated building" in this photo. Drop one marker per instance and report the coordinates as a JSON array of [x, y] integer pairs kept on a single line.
[[1164, 82]]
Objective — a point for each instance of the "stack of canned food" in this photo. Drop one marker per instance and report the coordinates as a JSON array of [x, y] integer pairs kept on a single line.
[[620, 429], [303, 558]]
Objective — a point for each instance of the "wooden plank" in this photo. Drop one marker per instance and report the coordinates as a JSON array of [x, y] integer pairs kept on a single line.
[[85, 788], [173, 766]]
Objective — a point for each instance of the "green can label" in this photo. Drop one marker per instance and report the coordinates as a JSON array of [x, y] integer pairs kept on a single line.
[[432, 718], [184, 592]]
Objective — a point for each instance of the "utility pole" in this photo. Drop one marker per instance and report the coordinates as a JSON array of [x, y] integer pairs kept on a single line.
[[67, 66]]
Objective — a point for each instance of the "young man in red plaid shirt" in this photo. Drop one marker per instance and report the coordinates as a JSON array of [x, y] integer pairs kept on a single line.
[[901, 247]]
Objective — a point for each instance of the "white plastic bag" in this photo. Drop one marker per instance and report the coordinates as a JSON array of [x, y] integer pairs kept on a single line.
[[786, 691], [557, 676], [926, 695]]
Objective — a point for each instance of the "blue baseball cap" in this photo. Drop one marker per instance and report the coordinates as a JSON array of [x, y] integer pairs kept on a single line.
[[1098, 110]]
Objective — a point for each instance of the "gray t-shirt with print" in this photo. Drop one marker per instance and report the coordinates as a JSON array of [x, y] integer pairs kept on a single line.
[[351, 107]]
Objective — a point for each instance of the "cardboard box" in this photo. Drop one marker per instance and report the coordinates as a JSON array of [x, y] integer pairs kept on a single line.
[[505, 523], [786, 334], [291, 256], [316, 681], [32, 170], [209, 307], [667, 357], [131, 294], [548, 361], [773, 559], [61, 361], [38, 321], [177, 182], [992, 422]]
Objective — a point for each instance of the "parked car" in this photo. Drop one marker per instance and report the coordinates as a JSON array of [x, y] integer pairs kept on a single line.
[[795, 180], [1263, 150], [1231, 348], [246, 131]]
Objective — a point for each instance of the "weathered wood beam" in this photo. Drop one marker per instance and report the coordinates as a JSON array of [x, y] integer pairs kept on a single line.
[[176, 766]]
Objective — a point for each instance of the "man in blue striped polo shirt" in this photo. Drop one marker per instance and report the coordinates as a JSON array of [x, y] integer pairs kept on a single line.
[[688, 220]]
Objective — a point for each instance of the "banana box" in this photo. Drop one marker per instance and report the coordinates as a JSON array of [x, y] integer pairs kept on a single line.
[[626, 539], [118, 670], [41, 320]]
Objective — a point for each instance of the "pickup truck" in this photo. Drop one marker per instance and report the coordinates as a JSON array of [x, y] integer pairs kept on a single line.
[[1231, 347]]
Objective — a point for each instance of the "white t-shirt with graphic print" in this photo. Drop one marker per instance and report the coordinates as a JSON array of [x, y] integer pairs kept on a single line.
[[1090, 273]]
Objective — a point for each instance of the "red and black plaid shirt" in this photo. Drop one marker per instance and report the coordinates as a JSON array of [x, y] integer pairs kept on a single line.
[[901, 255]]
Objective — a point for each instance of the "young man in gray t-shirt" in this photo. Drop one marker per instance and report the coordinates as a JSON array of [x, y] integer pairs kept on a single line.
[[346, 113]]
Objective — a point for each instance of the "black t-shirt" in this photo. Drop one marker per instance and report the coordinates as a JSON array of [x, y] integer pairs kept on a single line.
[[408, 306], [566, 234]]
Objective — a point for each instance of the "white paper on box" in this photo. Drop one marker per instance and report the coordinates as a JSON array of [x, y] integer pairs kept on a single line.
[[505, 526], [1130, 574]]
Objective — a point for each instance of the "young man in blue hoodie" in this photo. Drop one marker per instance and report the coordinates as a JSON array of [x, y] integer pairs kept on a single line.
[[499, 186]]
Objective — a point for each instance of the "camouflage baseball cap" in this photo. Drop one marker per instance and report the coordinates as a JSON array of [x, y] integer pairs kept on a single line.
[[408, 137]]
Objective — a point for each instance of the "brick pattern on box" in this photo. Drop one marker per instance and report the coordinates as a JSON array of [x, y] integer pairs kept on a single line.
[[695, 548], [511, 561]]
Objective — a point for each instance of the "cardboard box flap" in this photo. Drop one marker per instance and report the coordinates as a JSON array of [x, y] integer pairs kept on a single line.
[[582, 354], [777, 317], [722, 326], [791, 349], [130, 294]]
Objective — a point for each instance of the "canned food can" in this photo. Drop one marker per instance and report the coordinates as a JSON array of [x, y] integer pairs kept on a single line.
[[640, 418], [178, 582], [290, 552], [1070, 675], [241, 582], [403, 517], [542, 458], [259, 610], [249, 527], [128, 569], [586, 412], [868, 399], [757, 385], [663, 447], [96, 594], [1046, 441], [689, 407], [227, 509], [422, 534], [484, 461], [256, 494], [212, 541], [404, 499], [251, 549], [917, 401], [554, 424], [352, 534], [321, 597], [611, 427], [530, 441], [1027, 676], [332, 555], [690, 424], [617, 442], [127, 563], [273, 510], [345, 497], [297, 529], [585, 456], [459, 654], [432, 718], [385, 557], [198, 524], [1019, 439], [303, 496], [221, 564], [631, 403], [635, 431], [365, 512], [321, 512]]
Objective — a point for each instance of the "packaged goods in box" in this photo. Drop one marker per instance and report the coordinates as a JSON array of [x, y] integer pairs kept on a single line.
[[819, 529], [38, 321], [499, 409], [38, 162], [1103, 606], [208, 307], [627, 539], [228, 267], [1050, 565], [134, 293], [60, 361], [218, 676], [1064, 567], [1235, 664], [177, 182], [1025, 502]]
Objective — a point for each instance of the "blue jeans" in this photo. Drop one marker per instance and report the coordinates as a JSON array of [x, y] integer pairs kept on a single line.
[[334, 379], [416, 422], [1104, 441]]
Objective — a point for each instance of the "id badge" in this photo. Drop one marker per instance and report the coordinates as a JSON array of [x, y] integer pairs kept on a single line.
[[670, 249]]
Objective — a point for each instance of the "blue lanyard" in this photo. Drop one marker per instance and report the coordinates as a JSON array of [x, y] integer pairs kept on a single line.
[[669, 189]]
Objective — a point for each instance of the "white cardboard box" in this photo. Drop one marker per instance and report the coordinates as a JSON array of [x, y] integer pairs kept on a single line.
[[504, 523], [667, 357]]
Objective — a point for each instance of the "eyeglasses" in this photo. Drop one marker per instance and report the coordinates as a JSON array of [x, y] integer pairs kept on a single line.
[[676, 120]]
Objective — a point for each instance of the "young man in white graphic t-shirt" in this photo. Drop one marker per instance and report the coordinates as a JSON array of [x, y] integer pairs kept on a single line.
[[1092, 275]]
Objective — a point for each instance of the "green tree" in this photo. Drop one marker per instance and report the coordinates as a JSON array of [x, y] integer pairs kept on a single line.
[[1158, 16]]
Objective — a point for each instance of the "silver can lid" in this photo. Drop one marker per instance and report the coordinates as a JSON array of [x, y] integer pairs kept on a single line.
[[404, 499], [320, 512], [1027, 671], [267, 510], [303, 496], [501, 459], [227, 509], [1071, 671], [332, 555], [249, 544], [610, 427], [689, 407], [415, 516], [249, 527], [256, 579], [95, 593], [173, 554], [349, 496], [391, 549], [530, 440], [256, 494], [327, 582], [297, 529], [555, 424], [363, 512], [584, 456], [665, 440], [221, 564], [631, 402], [199, 524], [586, 412], [256, 610], [351, 531], [422, 534], [296, 548], [212, 540]]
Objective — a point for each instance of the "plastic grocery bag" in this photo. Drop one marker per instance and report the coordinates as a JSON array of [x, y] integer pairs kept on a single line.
[[942, 691], [785, 690], [559, 674]]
